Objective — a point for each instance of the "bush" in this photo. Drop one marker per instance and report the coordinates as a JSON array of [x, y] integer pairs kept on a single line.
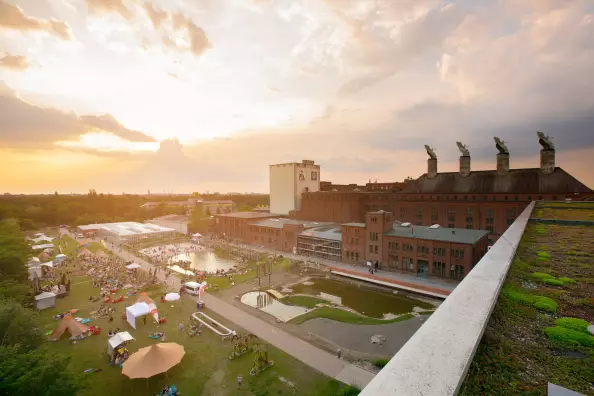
[[545, 304], [573, 324], [544, 255], [570, 336], [381, 363], [350, 390]]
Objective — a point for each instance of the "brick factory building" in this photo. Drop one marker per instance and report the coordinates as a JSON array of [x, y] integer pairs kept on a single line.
[[488, 200]]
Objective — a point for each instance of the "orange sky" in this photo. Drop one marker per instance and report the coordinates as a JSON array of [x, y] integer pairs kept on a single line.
[[91, 91]]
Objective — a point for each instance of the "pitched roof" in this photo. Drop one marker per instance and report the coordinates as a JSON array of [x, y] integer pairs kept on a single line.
[[517, 181]]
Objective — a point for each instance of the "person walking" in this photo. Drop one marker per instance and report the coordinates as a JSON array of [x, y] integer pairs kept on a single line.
[[239, 381], [144, 320], [181, 326]]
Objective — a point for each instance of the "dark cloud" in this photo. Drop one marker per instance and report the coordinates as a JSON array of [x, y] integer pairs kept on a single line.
[[22, 123], [15, 62], [12, 17]]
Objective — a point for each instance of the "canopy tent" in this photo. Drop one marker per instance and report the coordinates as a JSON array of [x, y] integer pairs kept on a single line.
[[197, 235], [146, 299], [118, 340], [85, 252], [172, 296], [136, 310], [68, 323], [133, 266], [42, 246], [48, 264], [45, 300], [61, 257], [153, 360]]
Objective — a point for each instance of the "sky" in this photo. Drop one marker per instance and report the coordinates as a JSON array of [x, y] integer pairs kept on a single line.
[[202, 95]]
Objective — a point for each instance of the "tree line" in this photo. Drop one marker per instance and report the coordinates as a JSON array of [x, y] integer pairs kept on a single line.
[[38, 211], [26, 367]]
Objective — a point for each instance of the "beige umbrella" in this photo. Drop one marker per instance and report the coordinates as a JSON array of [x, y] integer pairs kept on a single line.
[[153, 360]]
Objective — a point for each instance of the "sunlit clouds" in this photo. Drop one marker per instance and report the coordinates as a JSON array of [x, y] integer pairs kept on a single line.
[[359, 86]]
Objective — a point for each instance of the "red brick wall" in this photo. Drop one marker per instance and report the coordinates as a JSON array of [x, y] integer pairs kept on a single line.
[[353, 244]]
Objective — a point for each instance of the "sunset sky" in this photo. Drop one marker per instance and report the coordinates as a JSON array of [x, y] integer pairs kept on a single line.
[[92, 91]]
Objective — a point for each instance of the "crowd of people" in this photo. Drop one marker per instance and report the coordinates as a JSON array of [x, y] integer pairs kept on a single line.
[[179, 253]]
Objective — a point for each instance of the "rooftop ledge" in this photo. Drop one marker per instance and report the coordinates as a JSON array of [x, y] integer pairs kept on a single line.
[[435, 360]]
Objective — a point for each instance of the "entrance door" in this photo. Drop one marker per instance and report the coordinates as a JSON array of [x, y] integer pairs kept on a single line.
[[423, 268]]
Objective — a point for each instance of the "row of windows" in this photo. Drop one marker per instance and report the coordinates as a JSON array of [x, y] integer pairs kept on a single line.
[[373, 249], [352, 255], [408, 197], [373, 236], [439, 268], [354, 241]]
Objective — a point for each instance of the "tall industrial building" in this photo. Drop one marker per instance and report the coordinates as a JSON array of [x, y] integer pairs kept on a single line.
[[289, 181]]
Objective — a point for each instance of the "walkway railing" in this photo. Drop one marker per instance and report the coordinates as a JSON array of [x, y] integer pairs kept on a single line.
[[435, 360]]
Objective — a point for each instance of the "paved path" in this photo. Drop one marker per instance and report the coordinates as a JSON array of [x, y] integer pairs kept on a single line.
[[434, 287], [296, 347]]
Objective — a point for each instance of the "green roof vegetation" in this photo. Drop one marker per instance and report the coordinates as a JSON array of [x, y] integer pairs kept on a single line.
[[537, 332]]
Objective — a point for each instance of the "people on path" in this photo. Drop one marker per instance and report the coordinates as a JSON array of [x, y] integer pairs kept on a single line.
[[239, 381], [181, 326]]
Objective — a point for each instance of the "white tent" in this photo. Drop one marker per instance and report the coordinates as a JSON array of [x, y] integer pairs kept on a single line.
[[180, 270], [45, 300], [118, 340], [172, 296], [43, 246], [133, 266], [136, 310], [48, 264], [61, 257], [197, 235]]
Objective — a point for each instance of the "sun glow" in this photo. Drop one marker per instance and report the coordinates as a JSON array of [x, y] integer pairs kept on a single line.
[[108, 142]]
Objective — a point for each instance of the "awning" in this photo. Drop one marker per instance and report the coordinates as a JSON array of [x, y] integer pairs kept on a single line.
[[118, 340], [133, 266]]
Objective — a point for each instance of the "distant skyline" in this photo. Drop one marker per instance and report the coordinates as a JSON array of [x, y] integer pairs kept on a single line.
[[180, 95]]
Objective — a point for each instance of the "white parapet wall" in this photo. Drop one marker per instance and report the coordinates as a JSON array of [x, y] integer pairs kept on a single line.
[[436, 358]]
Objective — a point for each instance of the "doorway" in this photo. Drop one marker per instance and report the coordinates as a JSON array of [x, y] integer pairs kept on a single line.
[[423, 266]]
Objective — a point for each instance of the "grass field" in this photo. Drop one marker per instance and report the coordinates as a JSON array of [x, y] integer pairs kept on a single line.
[[341, 315], [205, 369]]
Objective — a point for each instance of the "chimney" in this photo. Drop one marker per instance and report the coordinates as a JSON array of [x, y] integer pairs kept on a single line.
[[547, 154], [464, 165], [464, 159], [431, 168], [502, 164]]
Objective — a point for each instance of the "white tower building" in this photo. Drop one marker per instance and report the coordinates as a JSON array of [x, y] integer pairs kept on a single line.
[[289, 181]]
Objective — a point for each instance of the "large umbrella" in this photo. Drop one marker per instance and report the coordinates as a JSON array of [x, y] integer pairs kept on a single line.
[[153, 360], [172, 296]]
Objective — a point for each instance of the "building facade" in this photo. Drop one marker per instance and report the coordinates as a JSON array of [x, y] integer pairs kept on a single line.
[[489, 200], [179, 223], [288, 183]]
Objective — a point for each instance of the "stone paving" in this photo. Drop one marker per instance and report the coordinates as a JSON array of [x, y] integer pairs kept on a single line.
[[314, 357]]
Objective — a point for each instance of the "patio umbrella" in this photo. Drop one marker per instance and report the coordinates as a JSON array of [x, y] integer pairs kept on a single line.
[[153, 360], [172, 297]]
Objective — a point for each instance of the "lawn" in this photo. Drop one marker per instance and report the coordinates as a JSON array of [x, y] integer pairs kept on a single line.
[[303, 301], [340, 315], [537, 332], [66, 245], [94, 247], [205, 369], [222, 282]]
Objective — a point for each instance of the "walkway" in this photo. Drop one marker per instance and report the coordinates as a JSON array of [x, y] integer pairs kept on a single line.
[[314, 357], [433, 287]]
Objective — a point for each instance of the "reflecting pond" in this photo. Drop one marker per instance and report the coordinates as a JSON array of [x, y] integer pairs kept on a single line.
[[204, 261], [266, 303], [365, 300]]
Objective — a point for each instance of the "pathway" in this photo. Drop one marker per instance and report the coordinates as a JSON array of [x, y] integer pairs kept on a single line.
[[434, 287], [314, 357]]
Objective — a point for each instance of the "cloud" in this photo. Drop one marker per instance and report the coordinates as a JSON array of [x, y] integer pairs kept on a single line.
[[156, 16], [24, 124], [12, 17], [111, 6], [107, 122], [15, 62]]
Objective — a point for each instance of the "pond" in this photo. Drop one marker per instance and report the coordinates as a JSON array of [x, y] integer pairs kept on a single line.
[[266, 303], [365, 300], [204, 261]]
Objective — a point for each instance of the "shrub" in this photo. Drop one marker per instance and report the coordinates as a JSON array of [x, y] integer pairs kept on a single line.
[[573, 324], [350, 390], [544, 255], [545, 304], [566, 280], [570, 336], [381, 363]]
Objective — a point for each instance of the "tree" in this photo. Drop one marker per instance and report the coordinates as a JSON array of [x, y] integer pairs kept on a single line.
[[37, 372], [19, 325], [14, 251], [12, 290], [218, 210]]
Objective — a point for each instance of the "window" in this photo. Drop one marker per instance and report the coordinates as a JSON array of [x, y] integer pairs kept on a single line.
[[393, 261], [408, 263], [370, 249], [489, 228], [456, 271], [439, 268], [407, 247], [510, 215], [529, 198], [450, 225], [469, 217], [419, 213], [314, 175], [402, 214], [434, 215], [375, 249], [457, 253], [356, 241], [489, 218], [451, 215]]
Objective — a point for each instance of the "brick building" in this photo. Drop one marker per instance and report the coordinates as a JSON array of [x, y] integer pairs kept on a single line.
[[489, 200], [395, 246]]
